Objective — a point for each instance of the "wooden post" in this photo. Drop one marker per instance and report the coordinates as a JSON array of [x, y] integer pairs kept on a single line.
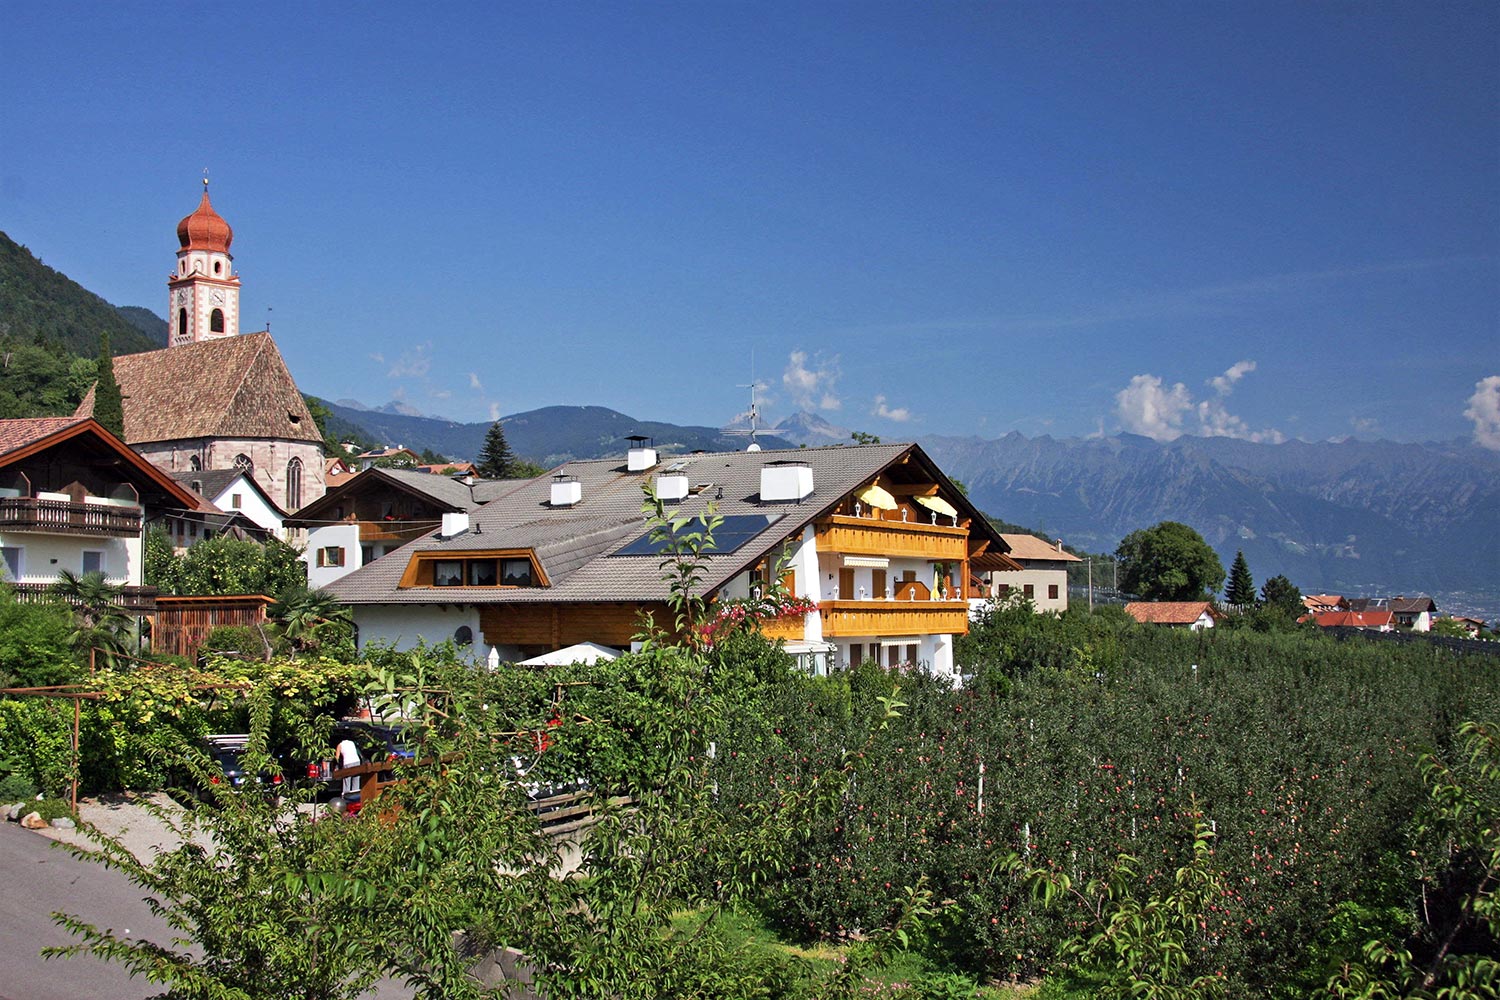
[[77, 703]]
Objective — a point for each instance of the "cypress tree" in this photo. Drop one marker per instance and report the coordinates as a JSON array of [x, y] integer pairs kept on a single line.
[[496, 460], [109, 407], [1241, 590]]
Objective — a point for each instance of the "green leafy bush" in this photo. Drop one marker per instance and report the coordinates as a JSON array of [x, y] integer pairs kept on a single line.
[[16, 788]]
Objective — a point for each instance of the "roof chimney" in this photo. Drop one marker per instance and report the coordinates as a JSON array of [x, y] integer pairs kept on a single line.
[[1059, 545], [455, 523], [785, 480], [672, 485], [641, 455], [566, 490]]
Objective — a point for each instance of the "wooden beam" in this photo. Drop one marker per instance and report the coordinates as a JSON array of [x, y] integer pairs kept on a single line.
[[915, 489]]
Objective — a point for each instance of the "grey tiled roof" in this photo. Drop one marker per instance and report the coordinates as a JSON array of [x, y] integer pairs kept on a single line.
[[573, 544]]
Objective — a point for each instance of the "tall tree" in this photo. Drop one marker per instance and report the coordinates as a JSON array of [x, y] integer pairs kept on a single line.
[[1282, 595], [1241, 584], [109, 408], [496, 460], [1168, 562]]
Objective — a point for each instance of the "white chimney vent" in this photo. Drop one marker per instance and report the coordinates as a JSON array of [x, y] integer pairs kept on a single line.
[[783, 481], [455, 523], [566, 491], [641, 455], [672, 485]]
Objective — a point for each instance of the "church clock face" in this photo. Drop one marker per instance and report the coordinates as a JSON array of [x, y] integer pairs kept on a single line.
[[218, 297]]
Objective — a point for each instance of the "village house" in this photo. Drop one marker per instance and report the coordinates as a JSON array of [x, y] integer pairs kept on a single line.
[[234, 492], [1043, 576], [75, 497], [377, 511], [1194, 615], [875, 550]]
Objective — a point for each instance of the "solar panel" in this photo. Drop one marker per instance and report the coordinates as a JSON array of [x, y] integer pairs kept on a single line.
[[736, 531]]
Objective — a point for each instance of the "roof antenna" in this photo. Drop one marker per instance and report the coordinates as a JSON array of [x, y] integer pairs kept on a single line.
[[268, 319], [754, 407]]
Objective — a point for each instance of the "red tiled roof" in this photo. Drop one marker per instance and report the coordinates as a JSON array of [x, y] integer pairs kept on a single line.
[[1032, 547], [19, 433], [205, 229], [1354, 619], [1168, 612]]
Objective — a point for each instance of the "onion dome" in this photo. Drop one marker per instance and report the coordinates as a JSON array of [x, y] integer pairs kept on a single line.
[[205, 229]]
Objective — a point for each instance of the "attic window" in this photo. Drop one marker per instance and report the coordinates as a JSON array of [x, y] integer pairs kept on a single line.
[[294, 418]]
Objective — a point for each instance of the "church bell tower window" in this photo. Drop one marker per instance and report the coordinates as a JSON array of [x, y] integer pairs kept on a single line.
[[182, 330], [216, 321]]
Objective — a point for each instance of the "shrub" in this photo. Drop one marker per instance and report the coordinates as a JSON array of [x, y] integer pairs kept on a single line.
[[16, 788]]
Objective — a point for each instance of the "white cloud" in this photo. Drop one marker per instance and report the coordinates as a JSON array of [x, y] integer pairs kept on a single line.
[[811, 384], [1144, 407], [378, 358], [474, 382], [899, 414], [1147, 407], [441, 394], [494, 411], [1484, 410], [1364, 425], [412, 364], [1224, 384]]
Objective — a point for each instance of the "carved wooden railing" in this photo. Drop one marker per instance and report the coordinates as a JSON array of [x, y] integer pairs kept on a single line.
[[65, 517]]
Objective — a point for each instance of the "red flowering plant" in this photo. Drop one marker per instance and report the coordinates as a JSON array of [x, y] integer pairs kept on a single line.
[[750, 613]]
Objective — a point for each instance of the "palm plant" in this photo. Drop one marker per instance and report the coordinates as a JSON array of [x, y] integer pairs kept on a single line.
[[305, 614], [100, 621]]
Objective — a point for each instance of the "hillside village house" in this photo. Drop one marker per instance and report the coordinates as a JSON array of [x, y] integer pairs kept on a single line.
[[74, 497], [377, 511], [187, 527], [1043, 576], [882, 544], [1193, 615], [216, 399]]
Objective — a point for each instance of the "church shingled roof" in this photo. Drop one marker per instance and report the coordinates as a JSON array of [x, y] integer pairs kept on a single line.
[[232, 387]]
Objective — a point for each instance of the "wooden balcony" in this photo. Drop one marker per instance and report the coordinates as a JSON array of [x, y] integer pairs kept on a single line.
[[133, 600], [870, 618], [395, 531], [866, 536], [62, 517]]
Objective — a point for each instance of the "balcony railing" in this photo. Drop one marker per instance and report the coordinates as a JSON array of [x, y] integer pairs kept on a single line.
[[395, 531], [886, 617], [867, 536], [132, 600], [66, 518]]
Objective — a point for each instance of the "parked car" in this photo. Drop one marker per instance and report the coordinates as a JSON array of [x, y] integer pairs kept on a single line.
[[227, 751], [375, 741]]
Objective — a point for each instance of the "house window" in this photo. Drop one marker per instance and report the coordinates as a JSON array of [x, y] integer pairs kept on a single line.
[[448, 573], [856, 653], [234, 501], [464, 636], [197, 486], [331, 555], [243, 463], [1052, 591], [216, 321], [1030, 591], [294, 484], [1002, 589], [12, 556], [482, 573], [366, 554], [515, 572], [93, 562]]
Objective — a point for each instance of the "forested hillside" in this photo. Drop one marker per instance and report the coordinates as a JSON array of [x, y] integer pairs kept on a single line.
[[38, 303]]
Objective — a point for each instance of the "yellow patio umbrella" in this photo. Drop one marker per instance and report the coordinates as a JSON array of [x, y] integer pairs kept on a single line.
[[874, 496], [938, 504]]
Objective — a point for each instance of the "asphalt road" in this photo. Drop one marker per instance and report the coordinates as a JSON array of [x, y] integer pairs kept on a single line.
[[37, 878]]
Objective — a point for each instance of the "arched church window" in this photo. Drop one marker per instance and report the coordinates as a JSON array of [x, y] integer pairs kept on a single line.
[[294, 484], [182, 330], [243, 463], [216, 321], [217, 267], [195, 464]]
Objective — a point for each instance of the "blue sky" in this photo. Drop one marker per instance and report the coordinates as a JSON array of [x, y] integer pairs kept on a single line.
[[1265, 220]]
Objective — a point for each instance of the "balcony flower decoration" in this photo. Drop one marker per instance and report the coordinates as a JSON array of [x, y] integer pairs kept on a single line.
[[750, 612]]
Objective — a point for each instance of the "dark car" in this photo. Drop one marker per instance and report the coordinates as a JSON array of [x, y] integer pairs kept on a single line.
[[376, 741], [226, 752]]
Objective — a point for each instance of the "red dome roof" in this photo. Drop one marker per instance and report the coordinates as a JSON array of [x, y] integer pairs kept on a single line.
[[205, 229]]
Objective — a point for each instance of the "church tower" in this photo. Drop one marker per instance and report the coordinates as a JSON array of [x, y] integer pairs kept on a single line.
[[204, 292]]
